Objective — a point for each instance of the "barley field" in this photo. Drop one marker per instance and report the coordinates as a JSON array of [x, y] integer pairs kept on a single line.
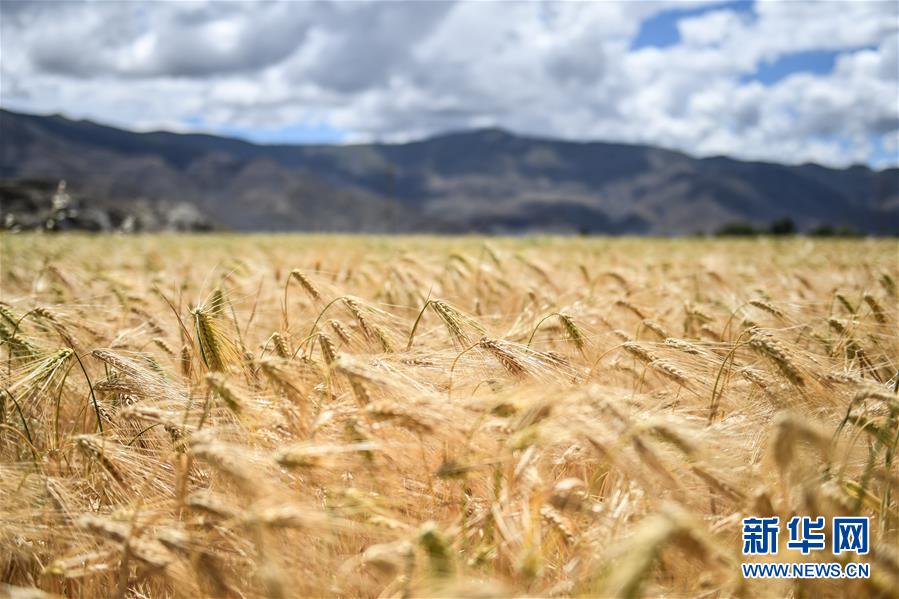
[[309, 416]]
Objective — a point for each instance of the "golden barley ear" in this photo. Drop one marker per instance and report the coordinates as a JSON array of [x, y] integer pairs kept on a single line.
[[656, 328], [306, 284], [684, 346], [7, 314], [561, 523], [457, 323], [164, 346], [218, 351], [845, 302], [185, 361], [441, 563], [327, 346], [215, 304], [340, 330], [504, 355], [19, 346], [55, 322], [769, 347], [282, 349], [639, 352], [789, 431], [575, 333], [768, 307], [889, 285], [393, 412], [226, 392], [626, 575], [671, 371], [877, 310]]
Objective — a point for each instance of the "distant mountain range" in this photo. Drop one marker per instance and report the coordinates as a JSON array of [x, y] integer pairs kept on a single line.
[[485, 180]]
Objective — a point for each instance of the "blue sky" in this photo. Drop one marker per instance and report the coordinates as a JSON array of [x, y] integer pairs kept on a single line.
[[297, 133], [818, 62], [660, 30], [791, 81]]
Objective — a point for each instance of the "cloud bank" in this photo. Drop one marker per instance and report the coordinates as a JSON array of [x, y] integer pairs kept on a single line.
[[720, 82]]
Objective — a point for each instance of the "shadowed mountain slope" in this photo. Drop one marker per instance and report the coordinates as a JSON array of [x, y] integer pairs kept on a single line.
[[485, 180]]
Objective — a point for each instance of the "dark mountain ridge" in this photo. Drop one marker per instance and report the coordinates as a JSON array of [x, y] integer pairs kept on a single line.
[[485, 180]]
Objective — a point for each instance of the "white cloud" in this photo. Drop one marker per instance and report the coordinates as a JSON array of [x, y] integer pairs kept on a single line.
[[403, 70]]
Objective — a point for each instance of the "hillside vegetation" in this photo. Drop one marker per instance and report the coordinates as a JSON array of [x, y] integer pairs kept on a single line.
[[289, 416]]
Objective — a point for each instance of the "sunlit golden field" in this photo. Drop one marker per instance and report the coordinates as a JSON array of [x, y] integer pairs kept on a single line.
[[287, 416]]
